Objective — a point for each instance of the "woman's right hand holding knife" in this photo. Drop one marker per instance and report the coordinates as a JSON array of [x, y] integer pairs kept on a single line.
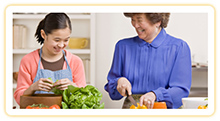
[[123, 85], [146, 99]]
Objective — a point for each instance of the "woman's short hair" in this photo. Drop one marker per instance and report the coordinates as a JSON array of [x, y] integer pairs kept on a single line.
[[154, 17], [52, 21]]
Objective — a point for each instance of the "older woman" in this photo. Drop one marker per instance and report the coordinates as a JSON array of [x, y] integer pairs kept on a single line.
[[153, 66]]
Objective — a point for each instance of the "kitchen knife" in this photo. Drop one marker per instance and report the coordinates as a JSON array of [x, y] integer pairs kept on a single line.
[[131, 99]]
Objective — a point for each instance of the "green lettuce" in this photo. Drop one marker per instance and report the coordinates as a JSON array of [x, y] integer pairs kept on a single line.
[[55, 90], [82, 98]]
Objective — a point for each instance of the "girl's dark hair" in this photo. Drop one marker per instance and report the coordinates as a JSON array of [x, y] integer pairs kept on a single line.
[[154, 17], [52, 21]]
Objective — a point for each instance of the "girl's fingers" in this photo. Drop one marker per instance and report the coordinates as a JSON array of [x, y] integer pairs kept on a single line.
[[47, 85], [45, 80], [44, 88], [61, 82], [62, 87]]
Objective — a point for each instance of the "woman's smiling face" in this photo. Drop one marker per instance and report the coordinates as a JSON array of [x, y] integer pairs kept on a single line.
[[57, 40], [144, 28]]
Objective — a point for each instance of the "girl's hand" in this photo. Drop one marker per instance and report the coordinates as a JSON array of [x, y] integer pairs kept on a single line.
[[148, 99], [123, 85], [43, 84], [63, 84]]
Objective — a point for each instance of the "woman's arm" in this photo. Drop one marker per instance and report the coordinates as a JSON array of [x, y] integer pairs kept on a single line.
[[114, 74], [24, 79], [77, 68], [179, 81], [43, 84]]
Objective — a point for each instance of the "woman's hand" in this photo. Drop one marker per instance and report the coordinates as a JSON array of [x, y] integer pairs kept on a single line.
[[63, 84], [43, 84], [148, 100], [123, 85]]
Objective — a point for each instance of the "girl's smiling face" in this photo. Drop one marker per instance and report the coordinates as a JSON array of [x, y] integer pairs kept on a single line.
[[56, 41], [144, 28]]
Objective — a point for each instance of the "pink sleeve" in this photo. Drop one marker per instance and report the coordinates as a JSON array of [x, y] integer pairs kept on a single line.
[[79, 74], [77, 69], [25, 77]]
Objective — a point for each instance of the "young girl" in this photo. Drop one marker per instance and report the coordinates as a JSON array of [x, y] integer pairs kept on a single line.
[[52, 60]]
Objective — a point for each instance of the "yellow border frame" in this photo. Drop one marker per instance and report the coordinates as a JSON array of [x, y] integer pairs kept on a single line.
[[110, 5]]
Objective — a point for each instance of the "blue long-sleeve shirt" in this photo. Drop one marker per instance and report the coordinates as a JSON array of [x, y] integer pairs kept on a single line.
[[164, 67]]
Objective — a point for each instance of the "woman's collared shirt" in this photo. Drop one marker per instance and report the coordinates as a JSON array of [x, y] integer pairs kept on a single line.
[[164, 67]]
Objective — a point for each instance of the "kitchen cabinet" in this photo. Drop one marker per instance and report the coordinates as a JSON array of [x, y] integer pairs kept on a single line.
[[200, 77], [198, 92], [199, 87], [83, 26]]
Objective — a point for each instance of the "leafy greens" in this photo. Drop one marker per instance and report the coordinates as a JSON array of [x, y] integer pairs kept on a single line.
[[82, 98], [55, 90]]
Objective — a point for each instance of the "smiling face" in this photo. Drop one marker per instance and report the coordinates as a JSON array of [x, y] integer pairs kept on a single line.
[[55, 42], [144, 28]]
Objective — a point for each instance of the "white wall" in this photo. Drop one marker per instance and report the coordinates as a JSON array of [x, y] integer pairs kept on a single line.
[[193, 28], [110, 27]]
